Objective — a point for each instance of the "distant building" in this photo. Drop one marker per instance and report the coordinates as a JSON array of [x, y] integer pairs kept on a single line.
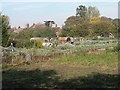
[[27, 25], [38, 25], [17, 30], [46, 24], [50, 24]]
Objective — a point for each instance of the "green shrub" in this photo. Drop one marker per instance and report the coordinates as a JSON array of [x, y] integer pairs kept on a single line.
[[65, 47], [39, 43], [94, 38], [24, 43], [117, 48]]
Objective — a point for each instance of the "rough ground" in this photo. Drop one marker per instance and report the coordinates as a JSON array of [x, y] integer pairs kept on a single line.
[[67, 73]]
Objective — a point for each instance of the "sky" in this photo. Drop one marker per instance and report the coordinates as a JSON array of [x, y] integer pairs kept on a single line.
[[22, 13]]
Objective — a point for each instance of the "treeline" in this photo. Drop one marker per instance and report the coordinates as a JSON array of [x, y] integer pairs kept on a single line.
[[96, 26], [22, 39], [88, 22]]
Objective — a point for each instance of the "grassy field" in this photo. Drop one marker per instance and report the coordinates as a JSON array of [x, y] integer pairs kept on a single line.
[[79, 70]]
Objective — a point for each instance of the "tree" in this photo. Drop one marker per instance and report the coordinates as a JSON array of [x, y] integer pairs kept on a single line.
[[48, 23], [103, 26], [5, 29], [23, 38], [116, 23], [92, 12], [66, 31], [0, 30], [19, 27], [87, 13], [73, 20], [81, 11], [75, 26], [94, 20]]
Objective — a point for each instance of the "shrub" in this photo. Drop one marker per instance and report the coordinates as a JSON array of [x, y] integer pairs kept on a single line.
[[65, 47], [39, 43], [24, 43], [94, 38], [117, 48]]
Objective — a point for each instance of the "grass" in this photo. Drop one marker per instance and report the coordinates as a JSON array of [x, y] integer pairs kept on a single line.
[[107, 58], [50, 79], [79, 69], [69, 71]]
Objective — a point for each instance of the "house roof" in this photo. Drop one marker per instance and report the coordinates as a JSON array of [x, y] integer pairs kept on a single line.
[[38, 25], [17, 30]]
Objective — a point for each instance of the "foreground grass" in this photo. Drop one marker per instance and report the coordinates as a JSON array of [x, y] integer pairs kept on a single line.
[[78, 70], [108, 58]]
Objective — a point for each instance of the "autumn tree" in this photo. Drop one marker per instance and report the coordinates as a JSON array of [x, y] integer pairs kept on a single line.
[[116, 23], [66, 31], [75, 26], [102, 26]]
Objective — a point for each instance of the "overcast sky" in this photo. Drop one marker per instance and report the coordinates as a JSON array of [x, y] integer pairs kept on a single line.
[[21, 13]]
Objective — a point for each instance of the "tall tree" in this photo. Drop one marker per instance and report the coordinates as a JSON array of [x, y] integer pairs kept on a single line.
[[73, 20], [81, 11], [47, 23], [116, 23], [0, 30], [5, 28], [75, 26], [87, 13], [103, 26], [92, 12]]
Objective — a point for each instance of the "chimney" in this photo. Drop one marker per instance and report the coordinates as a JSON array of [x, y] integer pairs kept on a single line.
[[27, 25], [55, 25], [15, 28], [19, 27], [50, 24]]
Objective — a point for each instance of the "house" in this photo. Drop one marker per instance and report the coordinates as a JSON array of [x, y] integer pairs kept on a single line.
[[38, 25], [46, 24], [50, 24], [17, 30]]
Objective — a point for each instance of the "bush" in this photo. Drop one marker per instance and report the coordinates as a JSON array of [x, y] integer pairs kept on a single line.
[[65, 47], [117, 48], [24, 43], [39, 43], [95, 38]]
